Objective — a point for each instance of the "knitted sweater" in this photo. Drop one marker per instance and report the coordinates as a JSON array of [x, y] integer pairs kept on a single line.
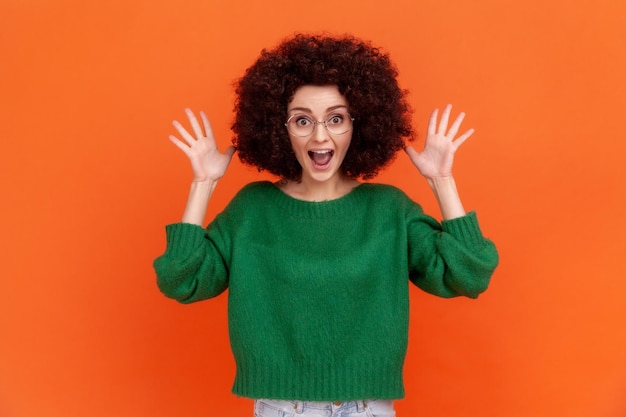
[[318, 298]]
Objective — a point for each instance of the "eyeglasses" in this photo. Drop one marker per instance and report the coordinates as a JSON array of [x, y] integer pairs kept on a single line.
[[302, 125]]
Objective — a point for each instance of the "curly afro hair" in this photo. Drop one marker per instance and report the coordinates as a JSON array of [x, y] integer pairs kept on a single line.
[[364, 75]]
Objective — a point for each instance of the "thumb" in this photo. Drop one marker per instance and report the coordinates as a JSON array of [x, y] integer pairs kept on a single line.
[[412, 153], [230, 151]]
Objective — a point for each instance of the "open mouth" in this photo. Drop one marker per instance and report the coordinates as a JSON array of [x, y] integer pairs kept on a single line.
[[321, 158]]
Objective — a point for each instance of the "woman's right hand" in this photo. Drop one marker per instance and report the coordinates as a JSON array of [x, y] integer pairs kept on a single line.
[[207, 162]]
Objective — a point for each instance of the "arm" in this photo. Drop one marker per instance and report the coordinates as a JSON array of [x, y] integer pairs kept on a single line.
[[450, 259], [435, 161], [207, 162], [460, 260], [191, 268]]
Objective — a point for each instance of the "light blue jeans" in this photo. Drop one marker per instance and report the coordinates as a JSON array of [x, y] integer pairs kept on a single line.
[[278, 408]]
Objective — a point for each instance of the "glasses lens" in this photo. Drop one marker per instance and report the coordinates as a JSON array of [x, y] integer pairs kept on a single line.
[[300, 125], [303, 125], [338, 123]]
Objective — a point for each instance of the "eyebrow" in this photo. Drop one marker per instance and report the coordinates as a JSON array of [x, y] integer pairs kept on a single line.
[[328, 110]]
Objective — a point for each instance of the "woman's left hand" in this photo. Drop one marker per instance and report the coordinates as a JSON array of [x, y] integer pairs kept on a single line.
[[435, 161]]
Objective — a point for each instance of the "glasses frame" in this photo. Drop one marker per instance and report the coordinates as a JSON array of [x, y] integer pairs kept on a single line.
[[317, 122]]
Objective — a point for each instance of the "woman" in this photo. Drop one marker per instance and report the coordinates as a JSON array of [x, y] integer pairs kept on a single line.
[[317, 262]]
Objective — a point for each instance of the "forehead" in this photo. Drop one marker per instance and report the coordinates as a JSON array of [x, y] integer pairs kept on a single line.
[[317, 99]]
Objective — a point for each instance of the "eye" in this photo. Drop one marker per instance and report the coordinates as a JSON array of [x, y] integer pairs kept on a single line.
[[302, 121], [336, 119]]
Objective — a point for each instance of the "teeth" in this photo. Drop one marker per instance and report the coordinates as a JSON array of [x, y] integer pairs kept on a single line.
[[321, 152]]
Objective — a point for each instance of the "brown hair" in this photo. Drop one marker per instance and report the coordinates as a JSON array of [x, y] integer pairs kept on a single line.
[[364, 75]]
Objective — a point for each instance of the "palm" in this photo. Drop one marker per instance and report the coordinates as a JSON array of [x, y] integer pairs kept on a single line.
[[207, 162], [436, 159]]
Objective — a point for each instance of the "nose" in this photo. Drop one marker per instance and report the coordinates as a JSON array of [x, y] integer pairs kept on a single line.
[[320, 133]]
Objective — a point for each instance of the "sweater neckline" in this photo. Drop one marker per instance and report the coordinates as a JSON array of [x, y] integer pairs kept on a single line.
[[304, 208]]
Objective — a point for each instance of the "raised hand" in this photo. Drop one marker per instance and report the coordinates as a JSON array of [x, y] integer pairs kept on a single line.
[[207, 162], [435, 160]]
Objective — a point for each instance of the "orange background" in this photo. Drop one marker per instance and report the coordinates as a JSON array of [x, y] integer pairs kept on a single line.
[[88, 180]]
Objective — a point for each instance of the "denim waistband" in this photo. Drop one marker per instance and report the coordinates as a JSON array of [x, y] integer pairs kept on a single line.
[[271, 408]]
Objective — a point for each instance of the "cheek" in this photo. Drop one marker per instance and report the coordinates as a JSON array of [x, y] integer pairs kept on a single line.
[[345, 144], [298, 149]]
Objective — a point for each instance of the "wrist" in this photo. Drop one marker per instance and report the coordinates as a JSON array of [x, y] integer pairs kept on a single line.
[[203, 184], [438, 183], [199, 195], [447, 196]]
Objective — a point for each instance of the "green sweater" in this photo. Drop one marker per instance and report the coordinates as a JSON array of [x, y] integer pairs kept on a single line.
[[318, 297]]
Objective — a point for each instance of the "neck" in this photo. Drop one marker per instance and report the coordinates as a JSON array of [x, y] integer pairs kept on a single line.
[[311, 190]]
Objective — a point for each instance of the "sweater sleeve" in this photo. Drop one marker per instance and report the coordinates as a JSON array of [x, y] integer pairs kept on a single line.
[[452, 258], [193, 267]]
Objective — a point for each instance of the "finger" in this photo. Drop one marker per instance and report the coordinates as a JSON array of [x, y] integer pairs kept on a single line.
[[179, 144], [183, 132], [195, 125], [443, 123], [207, 124], [230, 151], [458, 142], [432, 122], [456, 125], [412, 153]]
